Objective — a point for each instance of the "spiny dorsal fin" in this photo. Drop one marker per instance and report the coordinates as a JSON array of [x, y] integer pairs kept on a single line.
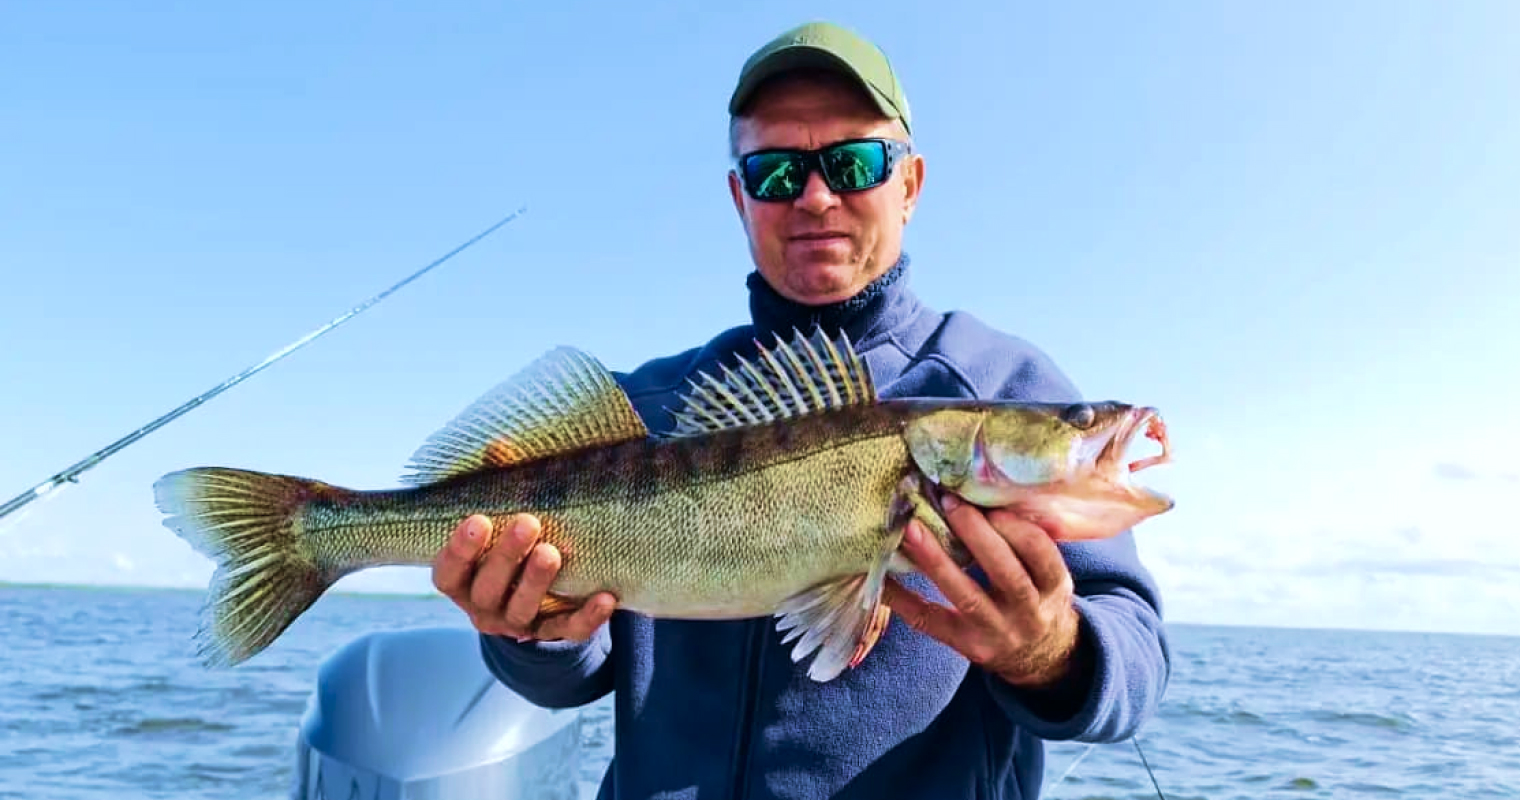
[[804, 376], [565, 400]]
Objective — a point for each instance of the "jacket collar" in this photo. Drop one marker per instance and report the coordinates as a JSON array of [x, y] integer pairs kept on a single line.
[[881, 306]]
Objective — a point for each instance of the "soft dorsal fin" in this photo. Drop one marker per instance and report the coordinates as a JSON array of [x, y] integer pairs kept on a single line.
[[565, 400], [804, 376]]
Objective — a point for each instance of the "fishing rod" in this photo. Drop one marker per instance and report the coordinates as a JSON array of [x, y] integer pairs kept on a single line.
[[72, 473]]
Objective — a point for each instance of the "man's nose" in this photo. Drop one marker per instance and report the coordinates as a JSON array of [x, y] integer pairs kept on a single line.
[[816, 196]]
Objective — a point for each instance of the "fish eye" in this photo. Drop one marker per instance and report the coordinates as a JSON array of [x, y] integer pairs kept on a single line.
[[1079, 415]]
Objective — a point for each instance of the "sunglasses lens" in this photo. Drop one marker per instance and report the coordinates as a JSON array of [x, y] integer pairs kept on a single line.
[[855, 166], [847, 167], [775, 176]]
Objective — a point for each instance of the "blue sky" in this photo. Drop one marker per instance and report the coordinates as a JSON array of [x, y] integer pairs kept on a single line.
[[1294, 227]]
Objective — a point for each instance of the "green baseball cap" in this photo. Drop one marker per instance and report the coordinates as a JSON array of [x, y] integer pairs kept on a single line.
[[824, 45]]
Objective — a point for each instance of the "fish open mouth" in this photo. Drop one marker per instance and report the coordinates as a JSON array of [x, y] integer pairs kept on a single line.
[[1111, 462]]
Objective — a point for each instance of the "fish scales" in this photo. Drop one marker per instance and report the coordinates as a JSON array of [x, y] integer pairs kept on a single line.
[[692, 528], [740, 543]]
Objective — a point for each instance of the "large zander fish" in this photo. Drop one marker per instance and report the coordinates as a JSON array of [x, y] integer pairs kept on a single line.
[[783, 490]]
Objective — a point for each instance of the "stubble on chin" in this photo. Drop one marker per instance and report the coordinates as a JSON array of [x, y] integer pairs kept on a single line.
[[817, 284]]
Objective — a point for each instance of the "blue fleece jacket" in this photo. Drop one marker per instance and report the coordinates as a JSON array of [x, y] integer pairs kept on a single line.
[[708, 709]]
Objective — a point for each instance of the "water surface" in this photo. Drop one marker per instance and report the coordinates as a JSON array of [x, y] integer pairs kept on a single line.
[[103, 699]]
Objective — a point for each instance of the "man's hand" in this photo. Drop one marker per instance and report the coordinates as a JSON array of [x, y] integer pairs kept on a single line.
[[501, 586], [1024, 627]]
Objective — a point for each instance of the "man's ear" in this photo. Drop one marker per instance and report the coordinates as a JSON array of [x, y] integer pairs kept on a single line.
[[736, 191], [913, 183]]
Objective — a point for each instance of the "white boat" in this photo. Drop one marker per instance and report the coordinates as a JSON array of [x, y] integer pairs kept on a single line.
[[412, 714], [415, 715]]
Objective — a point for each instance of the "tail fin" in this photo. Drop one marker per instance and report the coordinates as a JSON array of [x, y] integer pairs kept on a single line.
[[267, 573]]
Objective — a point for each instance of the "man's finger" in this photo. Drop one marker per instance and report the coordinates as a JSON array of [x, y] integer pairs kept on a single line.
[[920, 614], [926, 553], [455, 563], [488, 590], [580, 625], [993, 552], [1038, 553], [537, 573]]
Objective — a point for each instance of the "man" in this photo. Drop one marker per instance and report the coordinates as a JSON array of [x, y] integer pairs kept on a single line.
[[1036, 642]]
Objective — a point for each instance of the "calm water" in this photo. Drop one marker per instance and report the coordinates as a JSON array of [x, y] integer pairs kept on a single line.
[[102, 699]]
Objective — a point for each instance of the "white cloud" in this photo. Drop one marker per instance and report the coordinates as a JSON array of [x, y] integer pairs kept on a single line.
[[1455, 471], [1401, 546]]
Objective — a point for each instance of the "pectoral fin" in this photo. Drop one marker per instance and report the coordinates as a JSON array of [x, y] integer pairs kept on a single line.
[[841, 619], [913, 501], [880, 619], [553, 604]]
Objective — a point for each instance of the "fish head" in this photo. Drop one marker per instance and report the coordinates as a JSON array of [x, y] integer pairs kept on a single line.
[[1062, 465]]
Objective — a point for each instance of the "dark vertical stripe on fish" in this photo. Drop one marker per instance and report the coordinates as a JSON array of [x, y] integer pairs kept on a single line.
[[553, 491], [733, 449], [685, 461]]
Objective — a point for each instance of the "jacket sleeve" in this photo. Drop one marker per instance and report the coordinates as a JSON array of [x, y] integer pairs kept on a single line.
[[1123, 658], [552, 674]]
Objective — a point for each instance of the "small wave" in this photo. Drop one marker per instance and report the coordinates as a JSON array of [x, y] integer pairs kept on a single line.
[[218, 772], [153, 686], [1233, 715], [1370, 788], [56, 693], [156, 725], [1366, 719], [267, 751], [1245, 718]]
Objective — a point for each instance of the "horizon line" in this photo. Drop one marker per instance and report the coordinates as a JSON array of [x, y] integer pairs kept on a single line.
[[382, 594]]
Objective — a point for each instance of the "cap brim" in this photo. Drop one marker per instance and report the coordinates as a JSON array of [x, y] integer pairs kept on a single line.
[[801, 56]]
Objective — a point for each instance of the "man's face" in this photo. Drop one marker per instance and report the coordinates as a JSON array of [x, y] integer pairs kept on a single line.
[[823, 247]]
